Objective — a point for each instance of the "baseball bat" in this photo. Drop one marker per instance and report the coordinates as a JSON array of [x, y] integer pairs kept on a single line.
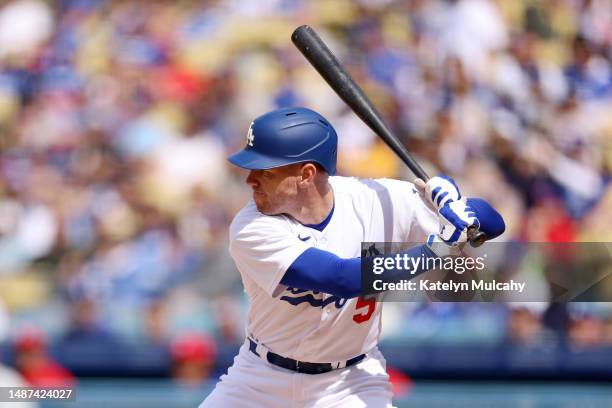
[[321, 58]]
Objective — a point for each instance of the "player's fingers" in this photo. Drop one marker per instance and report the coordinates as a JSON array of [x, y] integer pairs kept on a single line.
[[420, 185]]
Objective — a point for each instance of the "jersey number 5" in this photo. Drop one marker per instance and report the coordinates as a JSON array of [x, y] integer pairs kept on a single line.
[[364, 316]]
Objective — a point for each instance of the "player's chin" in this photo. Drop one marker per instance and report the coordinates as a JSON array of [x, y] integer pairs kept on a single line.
[[266, 209], [261, 204]]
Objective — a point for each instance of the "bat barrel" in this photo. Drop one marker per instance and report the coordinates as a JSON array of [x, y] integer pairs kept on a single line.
[[321, 58]]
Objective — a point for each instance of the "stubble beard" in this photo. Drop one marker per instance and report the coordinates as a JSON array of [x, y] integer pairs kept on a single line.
[[266, 206]]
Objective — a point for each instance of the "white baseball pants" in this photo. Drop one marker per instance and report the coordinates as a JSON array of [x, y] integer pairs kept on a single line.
[[254, 383]]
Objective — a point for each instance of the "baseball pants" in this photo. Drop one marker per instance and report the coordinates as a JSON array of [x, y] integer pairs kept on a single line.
[[254, 383]]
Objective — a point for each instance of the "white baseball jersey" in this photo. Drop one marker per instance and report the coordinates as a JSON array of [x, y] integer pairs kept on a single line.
[[312, 326]]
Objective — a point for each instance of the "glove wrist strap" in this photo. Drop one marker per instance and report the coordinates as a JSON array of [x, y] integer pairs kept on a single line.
[[441, 248]]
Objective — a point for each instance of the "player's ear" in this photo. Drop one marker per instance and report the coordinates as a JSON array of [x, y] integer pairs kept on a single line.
[[308, 171]]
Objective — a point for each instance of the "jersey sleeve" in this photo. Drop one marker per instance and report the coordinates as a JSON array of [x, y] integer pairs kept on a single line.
[[424, 220], [413, 220], [263, 247]]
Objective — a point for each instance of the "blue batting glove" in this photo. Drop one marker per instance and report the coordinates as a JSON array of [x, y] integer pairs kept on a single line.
[[455, 219], [441, 190]]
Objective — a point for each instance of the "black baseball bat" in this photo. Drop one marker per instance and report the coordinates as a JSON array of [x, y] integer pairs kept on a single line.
[[322, 59]]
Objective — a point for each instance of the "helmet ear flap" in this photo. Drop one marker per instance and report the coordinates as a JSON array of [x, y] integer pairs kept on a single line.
[[287, 136]]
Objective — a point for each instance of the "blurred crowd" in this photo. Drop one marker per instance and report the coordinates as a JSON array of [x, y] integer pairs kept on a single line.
[[116, 118]]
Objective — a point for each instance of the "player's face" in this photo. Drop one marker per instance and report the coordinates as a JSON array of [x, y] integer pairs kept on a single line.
[[275, 190]]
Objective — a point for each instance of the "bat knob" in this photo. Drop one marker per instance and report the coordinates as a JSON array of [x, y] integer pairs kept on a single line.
[[476, 238]]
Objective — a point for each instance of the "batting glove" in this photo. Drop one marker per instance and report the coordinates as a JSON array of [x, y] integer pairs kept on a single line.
[[441, 190], [455, 219]]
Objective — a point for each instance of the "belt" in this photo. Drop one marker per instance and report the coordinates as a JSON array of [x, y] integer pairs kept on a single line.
[[300, 366]]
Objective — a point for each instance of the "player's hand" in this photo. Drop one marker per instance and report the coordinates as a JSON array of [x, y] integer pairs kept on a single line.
[[438, 190], [455, 219]]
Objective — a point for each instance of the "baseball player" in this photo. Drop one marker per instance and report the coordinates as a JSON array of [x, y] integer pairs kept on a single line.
[[311, 339]]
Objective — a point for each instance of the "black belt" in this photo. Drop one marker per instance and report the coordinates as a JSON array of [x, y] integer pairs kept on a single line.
[[301, 366]]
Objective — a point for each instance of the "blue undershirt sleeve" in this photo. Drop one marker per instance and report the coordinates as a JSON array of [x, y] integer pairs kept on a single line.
[[322, 271]]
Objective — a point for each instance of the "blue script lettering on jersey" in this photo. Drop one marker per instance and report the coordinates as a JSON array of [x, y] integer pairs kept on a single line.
[[314, 299]]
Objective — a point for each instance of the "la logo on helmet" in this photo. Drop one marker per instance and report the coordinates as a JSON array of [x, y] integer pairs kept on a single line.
[[250, 136]]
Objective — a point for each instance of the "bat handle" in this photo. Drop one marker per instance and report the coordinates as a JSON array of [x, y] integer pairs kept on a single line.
[[476, 238]]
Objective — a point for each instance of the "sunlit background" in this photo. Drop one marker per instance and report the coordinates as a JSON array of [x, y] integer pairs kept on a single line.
[[115, 196]]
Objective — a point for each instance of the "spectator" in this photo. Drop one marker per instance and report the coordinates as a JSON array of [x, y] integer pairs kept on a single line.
[[524, 327], [36, 365], [193, 358], [8, 376]]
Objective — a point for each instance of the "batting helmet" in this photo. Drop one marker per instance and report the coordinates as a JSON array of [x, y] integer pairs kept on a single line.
[[287, 136]]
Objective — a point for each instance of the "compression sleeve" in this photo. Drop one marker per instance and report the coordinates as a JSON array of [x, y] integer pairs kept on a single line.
[[323, 271], [491, 222]]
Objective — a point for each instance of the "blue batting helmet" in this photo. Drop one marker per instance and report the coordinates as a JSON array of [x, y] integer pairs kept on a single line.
[[287, 136]]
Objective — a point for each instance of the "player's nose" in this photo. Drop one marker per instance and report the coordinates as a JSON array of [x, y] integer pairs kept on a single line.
[[251, 179]]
